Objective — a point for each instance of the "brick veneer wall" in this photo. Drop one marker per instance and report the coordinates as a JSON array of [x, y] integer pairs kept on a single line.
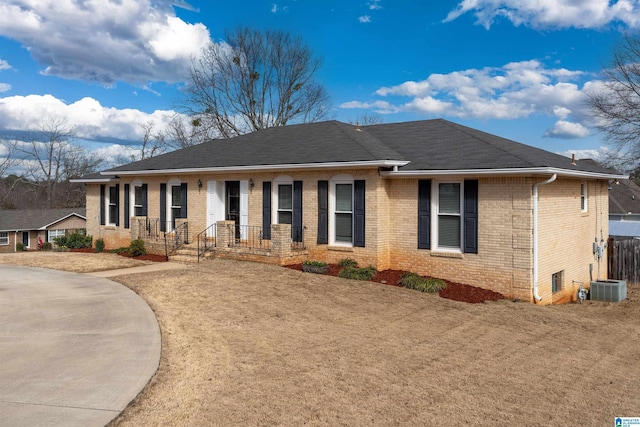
[[504, 261]]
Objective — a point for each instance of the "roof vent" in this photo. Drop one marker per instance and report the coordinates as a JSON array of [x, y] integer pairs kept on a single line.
[[573, 159], [358, 127]]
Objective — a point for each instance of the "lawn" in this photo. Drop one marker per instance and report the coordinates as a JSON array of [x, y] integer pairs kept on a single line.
[[253, 344]]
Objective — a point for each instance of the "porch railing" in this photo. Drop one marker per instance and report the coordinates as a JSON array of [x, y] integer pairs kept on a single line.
[[176, 238], [247, 236], [148, 228], [206, 240], [297, 238]]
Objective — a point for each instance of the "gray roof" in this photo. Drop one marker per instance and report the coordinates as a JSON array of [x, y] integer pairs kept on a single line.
[[33, 219], [624, 198], [426, 145]]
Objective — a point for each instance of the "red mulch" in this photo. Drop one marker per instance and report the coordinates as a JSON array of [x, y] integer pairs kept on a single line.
[[147, 257], [453, 291], [84, 250]]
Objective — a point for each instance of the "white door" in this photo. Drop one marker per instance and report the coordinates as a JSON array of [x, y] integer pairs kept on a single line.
[[244, 209], [215, 204]]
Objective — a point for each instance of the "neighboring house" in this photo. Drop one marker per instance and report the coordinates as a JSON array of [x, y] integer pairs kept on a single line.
[[30, 227], [624, 209], [432, 197]]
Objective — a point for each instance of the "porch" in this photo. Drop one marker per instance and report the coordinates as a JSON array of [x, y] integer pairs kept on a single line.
[[225, 239]]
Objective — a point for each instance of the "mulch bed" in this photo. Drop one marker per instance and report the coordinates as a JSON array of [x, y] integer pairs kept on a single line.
[[148, 257], [453, 291]]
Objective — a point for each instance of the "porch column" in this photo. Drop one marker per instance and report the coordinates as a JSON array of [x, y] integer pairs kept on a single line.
[[281, 240], [225, 234]]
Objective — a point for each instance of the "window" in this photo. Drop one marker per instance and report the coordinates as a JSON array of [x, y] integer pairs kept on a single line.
[[112, 206], [4, 237], [137, 201], [583, 197], [55, 233], [343, 213], [449, 208], [556, 281], [285, 203], [176, 204]]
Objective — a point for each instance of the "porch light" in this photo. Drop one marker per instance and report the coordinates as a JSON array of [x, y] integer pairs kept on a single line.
[[251, 184], [199, 185]]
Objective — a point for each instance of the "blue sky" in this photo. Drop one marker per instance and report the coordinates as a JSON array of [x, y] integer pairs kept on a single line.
[[515, 68]]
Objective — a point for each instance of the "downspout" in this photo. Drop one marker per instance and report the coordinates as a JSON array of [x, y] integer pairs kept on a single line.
[[536, 295]]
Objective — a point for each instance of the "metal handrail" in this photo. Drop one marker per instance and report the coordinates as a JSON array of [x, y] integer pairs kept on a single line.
[[206, 244], [178, 237]]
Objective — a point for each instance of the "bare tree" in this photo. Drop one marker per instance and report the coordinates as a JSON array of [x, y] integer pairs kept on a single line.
[[153, 141], [616, 104], [50, 157], [255, 80], [187, 131], [367, 119]]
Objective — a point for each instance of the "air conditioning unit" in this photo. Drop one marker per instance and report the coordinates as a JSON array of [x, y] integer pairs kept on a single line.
[[608, 290]]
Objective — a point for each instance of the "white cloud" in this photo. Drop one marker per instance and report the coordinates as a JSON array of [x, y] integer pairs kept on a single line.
[[274, 9], [602, 153], [91, 120], [5, 87], [381, 107], [551, 13], [567, 130], [105, 41], [515, 91], [365, 19], [4, 65], [374, 5]]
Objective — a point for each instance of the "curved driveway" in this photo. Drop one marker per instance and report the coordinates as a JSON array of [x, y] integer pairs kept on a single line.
[[74, 349]]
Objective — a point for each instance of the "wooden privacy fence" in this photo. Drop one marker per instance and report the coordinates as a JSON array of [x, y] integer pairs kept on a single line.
[[624, 260]]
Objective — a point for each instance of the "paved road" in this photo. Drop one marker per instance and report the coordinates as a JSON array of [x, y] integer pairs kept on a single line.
[[75, 349]]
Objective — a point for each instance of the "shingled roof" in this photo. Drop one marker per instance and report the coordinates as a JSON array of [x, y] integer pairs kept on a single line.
[[33, 219], [410, 147]]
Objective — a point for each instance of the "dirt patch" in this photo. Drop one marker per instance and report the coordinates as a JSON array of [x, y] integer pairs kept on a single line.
[[453, 291]]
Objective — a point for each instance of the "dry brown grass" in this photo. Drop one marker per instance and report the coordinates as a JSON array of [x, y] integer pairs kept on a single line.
[[76, 262], [252, 344]]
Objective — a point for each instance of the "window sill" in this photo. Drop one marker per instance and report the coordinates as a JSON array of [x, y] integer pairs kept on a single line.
[[110, 227], [457, 255], [340, 248]]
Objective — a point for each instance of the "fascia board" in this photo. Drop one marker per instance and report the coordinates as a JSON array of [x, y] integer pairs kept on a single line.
[[502, 172]]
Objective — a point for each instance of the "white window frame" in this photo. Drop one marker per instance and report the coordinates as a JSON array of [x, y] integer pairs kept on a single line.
[[110, 203], [275, 197], [584, 197], [52, 234], [4, 238], [174, 182], [132, 196], [336, 180], [28, 245], [435, 217]]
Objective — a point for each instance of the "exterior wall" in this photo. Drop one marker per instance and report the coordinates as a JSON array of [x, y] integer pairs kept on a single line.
[[503, 262], [566, 236], [11, 247], [71, 223]]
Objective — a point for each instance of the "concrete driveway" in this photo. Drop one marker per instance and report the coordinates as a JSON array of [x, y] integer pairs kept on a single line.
[[74, 349]]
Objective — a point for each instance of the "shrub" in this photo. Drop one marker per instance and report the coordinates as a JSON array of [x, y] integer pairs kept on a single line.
[[99, 245], [136, 248], [20, 247], [348, 263], [422, 284], [315, 263], [356, 273], [46, 246], [75, 240], [119, 250]]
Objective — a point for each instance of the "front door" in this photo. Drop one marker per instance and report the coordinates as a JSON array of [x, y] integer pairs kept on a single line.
[[232, 204], [25, 239]]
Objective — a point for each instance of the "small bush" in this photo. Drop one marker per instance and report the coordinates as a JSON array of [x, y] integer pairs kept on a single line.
[[75, 240], [46, 246], [20, 247], [315, 263], [422, 284], [355, 273], [119, 250], [348, 263], [99, 245], [136, 248]]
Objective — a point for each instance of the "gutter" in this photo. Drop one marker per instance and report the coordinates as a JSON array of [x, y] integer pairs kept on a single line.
[[536, 295], [502, 172]]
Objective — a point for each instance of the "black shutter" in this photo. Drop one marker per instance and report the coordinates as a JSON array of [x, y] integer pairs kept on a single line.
[[471, 216], [266, 210], [117, 205], [163, 207], [127, 199], [323, 212], [358, 213], [102, 216], [296, 223], [183, 200], [145, 200], [46, 236], [424, 214]]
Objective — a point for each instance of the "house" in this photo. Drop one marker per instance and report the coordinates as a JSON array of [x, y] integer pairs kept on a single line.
[[31, 226], [432, 197], [624, 209]]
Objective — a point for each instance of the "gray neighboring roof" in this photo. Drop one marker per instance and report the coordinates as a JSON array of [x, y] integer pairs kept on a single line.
[[426, 145], [33, 219], [624, 198]]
